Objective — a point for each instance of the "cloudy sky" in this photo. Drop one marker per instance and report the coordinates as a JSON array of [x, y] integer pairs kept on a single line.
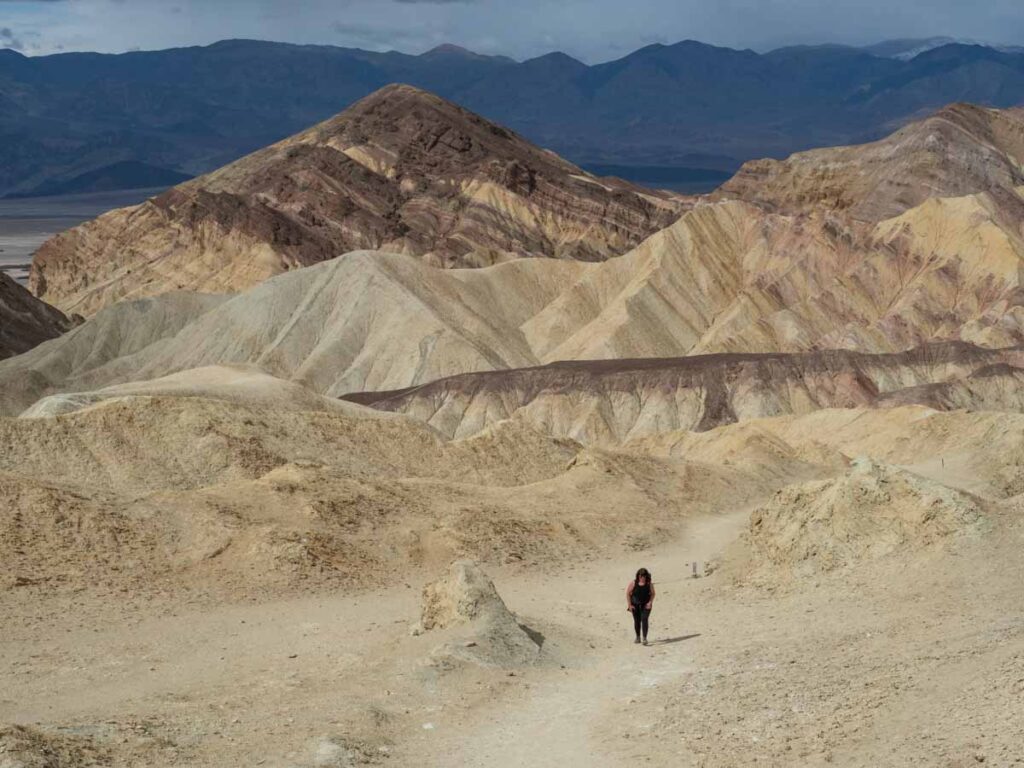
[[592, 30]]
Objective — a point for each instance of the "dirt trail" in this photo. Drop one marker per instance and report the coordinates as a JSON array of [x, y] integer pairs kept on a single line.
[[823, 673], [272, 678], [557, 722]]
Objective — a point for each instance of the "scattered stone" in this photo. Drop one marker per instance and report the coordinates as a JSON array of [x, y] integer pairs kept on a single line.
[[26, 747]]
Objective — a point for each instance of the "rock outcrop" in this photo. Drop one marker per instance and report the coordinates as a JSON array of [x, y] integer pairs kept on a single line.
[[25, 321], [465, 597], [401, 170], [870, 512]]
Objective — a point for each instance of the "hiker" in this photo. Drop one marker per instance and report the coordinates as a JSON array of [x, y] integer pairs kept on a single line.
[[639, 599]]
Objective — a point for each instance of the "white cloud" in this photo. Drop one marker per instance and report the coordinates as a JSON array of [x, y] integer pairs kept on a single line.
[[592, 30]]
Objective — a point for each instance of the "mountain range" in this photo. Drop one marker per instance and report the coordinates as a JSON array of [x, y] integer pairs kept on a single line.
[[329, 245], [685, 106], [265, 405]]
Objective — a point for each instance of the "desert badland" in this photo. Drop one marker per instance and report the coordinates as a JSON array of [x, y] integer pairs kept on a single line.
[[344, 453]]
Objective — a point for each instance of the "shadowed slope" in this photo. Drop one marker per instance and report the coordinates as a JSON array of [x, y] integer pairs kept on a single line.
[[24, 320]]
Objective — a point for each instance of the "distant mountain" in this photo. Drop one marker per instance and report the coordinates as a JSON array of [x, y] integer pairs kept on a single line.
[[683, 105], [126, 174], [401, 170], [908, 48]]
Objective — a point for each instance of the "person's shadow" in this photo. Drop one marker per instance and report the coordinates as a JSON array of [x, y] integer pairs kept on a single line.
[[667, 640]]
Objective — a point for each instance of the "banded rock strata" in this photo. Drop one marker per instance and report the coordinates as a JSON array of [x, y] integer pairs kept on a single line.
[[727, 277], [610, 402], [960, 150], [402, 170]]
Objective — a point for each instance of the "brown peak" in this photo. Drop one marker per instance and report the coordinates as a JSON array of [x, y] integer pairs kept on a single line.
[[385, 106], [961, 113], [964, 124], [396, 116], [964, 109], [395, 92], [972, 119], [978, 122]]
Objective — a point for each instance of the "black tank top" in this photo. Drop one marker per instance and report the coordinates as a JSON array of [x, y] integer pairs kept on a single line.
[[641, 593]]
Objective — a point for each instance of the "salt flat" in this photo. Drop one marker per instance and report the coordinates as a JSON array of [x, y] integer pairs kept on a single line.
[[27, 223]]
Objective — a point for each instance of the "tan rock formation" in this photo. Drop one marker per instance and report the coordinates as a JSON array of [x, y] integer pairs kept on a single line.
[[100, 351], [243, 482], [401, 170], [465, 598], [980, 452], [239, 383], [729, 277], [871, 511]]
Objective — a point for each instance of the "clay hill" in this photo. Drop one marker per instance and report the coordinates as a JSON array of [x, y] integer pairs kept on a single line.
[[727, 277], [960, 150], [610, 402], [370, 321], [402, 170], [793, 270], [25, 321]]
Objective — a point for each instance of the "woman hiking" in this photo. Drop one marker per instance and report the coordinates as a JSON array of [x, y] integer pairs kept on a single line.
[[639, 599]]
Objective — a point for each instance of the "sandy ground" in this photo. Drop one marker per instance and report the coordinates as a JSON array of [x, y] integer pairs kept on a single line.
[[919, 664], [166, 600]]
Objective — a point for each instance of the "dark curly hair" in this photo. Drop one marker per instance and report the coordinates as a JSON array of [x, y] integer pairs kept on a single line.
[[645, 573]]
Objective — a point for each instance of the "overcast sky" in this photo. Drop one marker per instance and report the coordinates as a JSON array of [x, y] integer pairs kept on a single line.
[[592, 30]]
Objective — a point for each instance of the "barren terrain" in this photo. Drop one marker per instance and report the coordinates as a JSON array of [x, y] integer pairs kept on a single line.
[[378, 512], [254, 596]]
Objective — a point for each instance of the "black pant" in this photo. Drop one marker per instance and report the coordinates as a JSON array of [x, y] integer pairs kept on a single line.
[[640, 616]]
